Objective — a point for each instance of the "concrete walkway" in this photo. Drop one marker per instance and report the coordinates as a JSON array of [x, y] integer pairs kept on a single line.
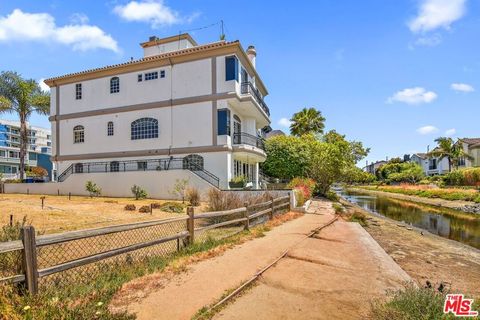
[[328, 277], [332, 276]]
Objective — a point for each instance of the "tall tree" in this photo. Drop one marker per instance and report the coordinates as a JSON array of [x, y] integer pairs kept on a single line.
[[307, 121], [453, 151], [22, 97]]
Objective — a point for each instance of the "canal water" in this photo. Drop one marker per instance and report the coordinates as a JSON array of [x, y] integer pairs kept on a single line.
[[447, 223]]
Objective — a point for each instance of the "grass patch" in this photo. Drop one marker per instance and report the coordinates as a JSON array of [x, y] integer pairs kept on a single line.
[[90, 300], [412, 303], [427, 192]]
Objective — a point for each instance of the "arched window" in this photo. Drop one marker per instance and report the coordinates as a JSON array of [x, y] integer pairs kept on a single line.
[[114, 85], [193, 162], [78, 168], [144, 128], [78, 134], [114, 166], [110, 128]]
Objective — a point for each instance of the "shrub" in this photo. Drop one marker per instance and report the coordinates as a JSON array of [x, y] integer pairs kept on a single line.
[[299, 196], [193, 196], [463, 177], [145, 209], [307, 186], [338, 208], [138, 192], [93, 189], [332, 196], [179, 188], [411, 303], [220, 200], [130, 207], [156, 205], [172, 207]]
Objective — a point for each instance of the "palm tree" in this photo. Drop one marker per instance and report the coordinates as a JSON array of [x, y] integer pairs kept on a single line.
[[22, 97], [307, 121], [451, 150]]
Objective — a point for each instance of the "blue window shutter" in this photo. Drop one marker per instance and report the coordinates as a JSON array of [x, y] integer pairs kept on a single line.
[[231, 68]]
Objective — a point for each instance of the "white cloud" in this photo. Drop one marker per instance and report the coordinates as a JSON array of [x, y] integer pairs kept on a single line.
[[43, 86], [22, 26], [416, 95], [462, 87], [434, 14], [427, 130], [450, 132], [154, 12], [284, 122]]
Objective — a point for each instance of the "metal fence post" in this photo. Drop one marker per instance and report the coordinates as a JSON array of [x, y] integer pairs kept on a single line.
[[190, 225], [247, 215], [30, 258]]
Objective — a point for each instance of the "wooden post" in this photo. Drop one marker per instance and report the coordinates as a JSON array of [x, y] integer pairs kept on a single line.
[[28, 192], [11, 220], [43, 199], [151, 208], [69, 196], [273, 208], [30, 258], [58, 192], [246, 215], [190, 225]]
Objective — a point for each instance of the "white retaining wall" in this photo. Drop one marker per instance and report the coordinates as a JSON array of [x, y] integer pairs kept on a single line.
[[158, 184]]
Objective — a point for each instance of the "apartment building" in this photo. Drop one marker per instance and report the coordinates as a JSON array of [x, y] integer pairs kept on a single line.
[[39, 146], [183, 106]]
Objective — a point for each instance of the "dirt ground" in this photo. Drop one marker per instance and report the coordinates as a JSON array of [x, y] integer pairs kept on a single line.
[[60, 214], [335, 273], [426, 257]]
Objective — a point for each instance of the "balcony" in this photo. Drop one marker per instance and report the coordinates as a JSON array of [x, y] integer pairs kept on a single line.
[[248, 88], [248, 139]]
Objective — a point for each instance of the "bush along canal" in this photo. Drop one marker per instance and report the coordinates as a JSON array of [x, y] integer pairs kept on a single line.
[[448, 223]]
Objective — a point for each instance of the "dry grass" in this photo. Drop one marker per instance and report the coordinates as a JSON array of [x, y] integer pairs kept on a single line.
[[60, 214]]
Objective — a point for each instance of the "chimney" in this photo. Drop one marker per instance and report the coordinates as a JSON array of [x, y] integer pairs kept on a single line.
[[152, 38], [252, 54]]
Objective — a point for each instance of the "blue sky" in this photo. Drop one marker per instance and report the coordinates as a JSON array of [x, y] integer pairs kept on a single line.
[[394, 74]]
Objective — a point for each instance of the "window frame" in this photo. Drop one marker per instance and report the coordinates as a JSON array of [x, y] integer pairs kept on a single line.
[[229, 66], [144, 128], [148, 76], [226, 125], [78, 134], [193, 162], [78, 91], [140, 77], [110, 129], [114, 85]]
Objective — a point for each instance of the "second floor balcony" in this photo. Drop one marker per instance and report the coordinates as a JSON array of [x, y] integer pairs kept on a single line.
[[248, 139], [248, 88]]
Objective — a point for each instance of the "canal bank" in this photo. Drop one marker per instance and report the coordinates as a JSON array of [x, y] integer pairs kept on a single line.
[[460, 205], [425, 256]]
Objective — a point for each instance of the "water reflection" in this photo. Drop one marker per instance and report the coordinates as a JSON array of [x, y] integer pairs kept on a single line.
[[448, 223]]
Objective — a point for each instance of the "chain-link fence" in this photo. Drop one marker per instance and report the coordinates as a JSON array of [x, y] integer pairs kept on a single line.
[[78, 256]]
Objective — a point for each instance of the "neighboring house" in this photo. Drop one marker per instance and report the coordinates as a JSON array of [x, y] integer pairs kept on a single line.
[[431, 165], [374, 166], [472, 147], [197, 108], [274, 133], [39, 142]]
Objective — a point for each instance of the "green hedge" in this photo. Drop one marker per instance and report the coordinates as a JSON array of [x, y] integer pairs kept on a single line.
[[463, 177]]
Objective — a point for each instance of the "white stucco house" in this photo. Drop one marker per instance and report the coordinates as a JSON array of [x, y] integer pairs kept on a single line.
[[197, 109], [431, 165]]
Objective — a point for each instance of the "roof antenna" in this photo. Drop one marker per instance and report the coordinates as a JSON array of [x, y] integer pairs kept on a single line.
[[222, 35]]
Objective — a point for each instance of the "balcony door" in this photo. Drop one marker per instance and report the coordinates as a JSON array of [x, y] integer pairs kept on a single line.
[[237, 129]]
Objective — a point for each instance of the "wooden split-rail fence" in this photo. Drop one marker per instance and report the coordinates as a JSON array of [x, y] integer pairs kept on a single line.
[[70, 257]]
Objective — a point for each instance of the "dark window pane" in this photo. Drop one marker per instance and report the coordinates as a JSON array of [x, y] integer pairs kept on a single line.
[[231, 68], [223, 122]]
